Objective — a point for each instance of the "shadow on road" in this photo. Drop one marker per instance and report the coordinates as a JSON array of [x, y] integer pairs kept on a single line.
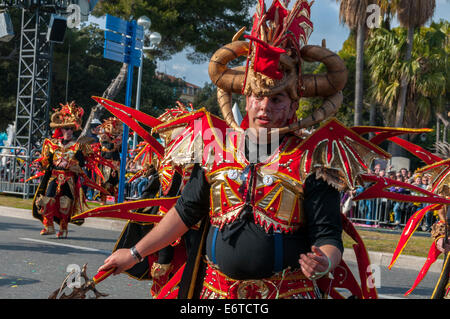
[[12, 281]]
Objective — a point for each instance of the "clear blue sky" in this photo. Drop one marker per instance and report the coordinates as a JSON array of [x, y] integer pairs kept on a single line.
[[325, 16]]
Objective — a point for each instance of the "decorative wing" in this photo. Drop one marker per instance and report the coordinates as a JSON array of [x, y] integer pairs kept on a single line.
[[130, 117], [409, 229], [417, 151], [381, 186], [337, 147], [440, 175], [124, 210], [439, 170], [433, 254], [193, 138], [384, 133]]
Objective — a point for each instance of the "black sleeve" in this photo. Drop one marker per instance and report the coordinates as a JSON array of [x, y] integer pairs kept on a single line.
[[80, 158], [322, 209], [193, 203]]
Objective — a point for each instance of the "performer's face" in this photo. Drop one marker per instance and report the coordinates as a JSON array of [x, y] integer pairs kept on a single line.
[[269, 111], [67, 133]]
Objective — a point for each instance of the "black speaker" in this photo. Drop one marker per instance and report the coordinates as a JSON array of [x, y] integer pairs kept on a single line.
[[57, 29]]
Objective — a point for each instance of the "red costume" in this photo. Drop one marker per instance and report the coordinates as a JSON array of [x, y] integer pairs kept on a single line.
[[59, 195], [257, 217]]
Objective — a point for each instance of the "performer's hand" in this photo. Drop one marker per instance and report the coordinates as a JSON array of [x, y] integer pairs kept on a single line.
[[121, 259], [313, 262], [443, 248]]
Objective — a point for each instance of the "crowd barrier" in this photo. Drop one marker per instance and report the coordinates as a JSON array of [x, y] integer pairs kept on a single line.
[[379, 213], [15, 170]]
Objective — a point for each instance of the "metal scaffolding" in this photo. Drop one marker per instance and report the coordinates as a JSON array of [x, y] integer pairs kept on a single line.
[[33, 89]]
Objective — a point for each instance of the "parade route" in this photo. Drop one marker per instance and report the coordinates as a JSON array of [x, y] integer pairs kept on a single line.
[[32, 266], [101, 251]]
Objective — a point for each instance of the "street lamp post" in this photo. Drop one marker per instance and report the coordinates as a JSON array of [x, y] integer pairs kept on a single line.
[[155, 39]]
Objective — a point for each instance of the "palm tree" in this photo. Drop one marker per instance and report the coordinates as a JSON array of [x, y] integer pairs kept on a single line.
[[388, 10], [411, 15], [428, 82], [353, 13]]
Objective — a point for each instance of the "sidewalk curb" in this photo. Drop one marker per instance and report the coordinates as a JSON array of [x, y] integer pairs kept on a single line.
[[99, 223], [381, 259]]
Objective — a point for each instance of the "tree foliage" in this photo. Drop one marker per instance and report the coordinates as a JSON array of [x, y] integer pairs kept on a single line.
[[346, 111], [202, 26], [426, 72]]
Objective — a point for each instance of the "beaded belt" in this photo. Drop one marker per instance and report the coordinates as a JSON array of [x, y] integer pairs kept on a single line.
[[67, 173], [285, 284]]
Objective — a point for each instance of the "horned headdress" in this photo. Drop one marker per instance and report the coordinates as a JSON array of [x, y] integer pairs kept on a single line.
[[275, 50], [68, 116]]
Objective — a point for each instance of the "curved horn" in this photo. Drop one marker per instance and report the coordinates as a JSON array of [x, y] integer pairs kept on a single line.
[[222, 76], [328, 83], [329, 107], [228, 80], [224, 101]]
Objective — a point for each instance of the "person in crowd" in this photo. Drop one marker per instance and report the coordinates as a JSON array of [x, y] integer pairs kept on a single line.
[[399, 207], [428, 220]]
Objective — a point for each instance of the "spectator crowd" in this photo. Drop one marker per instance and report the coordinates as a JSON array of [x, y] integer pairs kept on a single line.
[[373, 213], [388, 213]]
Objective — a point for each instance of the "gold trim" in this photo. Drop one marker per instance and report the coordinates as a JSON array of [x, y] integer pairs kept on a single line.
[[213, 289]]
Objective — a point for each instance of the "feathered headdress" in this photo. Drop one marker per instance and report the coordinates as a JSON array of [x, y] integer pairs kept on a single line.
[[112, 127], [69, 115]]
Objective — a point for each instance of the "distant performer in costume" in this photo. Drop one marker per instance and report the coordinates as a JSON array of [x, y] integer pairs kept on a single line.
[[59, 195], [440, 234], [110, 137], [164, 181]]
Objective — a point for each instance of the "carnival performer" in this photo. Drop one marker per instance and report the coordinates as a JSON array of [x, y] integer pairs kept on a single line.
[[440, 234], [266, 192], [110, 137], [273, 232], [59, 195], [164, 181]]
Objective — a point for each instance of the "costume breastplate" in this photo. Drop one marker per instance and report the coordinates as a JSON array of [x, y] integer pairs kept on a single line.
[[64, 155], [272, 188]]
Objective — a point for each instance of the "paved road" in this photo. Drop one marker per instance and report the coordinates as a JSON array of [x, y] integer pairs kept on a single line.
[[33, 266]]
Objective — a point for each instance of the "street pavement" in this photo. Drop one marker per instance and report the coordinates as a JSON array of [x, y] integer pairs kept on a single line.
[[33, 266]]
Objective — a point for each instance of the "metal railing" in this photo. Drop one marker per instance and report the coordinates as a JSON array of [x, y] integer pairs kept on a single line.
[[15, 170], [380, 213]]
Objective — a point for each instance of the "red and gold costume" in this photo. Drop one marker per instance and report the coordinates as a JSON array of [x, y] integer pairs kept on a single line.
[[59, 195], [165, 180], [110, 139]]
